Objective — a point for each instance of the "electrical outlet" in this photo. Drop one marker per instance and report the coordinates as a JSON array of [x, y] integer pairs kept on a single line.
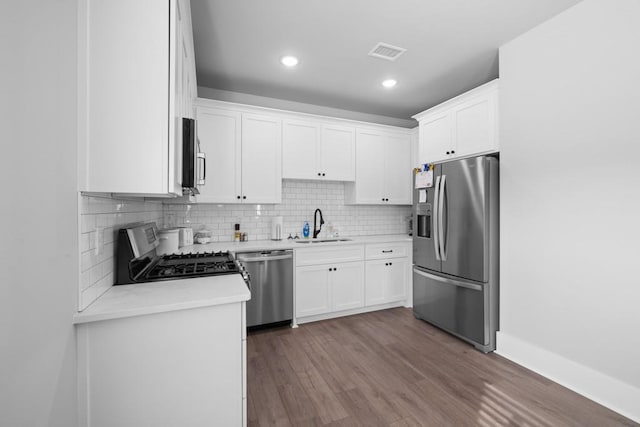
[[98, 240]]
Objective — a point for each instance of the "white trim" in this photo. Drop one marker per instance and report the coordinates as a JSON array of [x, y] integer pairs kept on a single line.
[[294, 115], [610, 392]]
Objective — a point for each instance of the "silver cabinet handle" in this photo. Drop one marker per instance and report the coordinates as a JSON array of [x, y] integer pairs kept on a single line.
[[443, 248], [202, 176], [458, 283], [434, 215]]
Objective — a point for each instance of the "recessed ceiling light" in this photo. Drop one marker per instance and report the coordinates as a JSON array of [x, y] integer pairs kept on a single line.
[[289, 61], [389, 83]]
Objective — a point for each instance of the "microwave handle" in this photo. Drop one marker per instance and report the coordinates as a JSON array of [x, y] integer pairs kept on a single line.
[[203, 158]]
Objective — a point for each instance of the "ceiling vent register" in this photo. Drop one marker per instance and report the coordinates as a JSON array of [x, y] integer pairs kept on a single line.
[[386, 51]]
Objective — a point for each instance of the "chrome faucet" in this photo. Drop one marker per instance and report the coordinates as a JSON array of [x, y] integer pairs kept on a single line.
[[315, 214]]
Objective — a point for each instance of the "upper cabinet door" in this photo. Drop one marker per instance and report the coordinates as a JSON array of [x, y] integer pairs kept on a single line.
[[398, 169], [338, 153], [219, 136], [261, 159], [369, 185], [300, 150], [124, 95], [476, 125], [436, 138]]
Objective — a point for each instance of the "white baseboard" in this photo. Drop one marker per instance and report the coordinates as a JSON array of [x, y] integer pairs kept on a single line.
[[607, 391]]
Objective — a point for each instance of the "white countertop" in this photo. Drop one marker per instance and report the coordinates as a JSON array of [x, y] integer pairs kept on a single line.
[[258, 245], [162, 296]]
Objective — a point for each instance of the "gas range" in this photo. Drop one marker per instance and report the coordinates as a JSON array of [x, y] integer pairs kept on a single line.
[[138, 262], [177, 266]]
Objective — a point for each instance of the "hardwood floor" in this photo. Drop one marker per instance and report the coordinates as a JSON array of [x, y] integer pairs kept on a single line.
[[387, 368]]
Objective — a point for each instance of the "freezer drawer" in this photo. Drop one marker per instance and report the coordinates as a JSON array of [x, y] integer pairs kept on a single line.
[[459, 307]]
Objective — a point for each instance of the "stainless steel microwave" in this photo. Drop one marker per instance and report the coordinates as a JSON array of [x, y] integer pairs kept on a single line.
[[194, 162]]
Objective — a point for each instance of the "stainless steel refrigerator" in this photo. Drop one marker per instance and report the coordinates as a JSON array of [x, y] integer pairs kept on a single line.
[[456, 250]]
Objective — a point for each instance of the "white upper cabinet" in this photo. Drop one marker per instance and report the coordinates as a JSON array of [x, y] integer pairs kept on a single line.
[[136, 69], [338, 153], [383, 169], [261, 159], [300, 148], [219, 134], [311, 150], [243, 156], [464, 126]]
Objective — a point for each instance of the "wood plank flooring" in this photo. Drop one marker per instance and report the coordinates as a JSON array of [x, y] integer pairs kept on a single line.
[[389, 369]]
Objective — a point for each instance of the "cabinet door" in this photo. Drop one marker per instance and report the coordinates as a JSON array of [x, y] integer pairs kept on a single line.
[[347, 286], [370, 165], [124, 97], [475, 125], [312, 290], [338, 153], [397, 157], [397, 279], [300, 146], [219, 137], [261, 159], [376, 280], [435, 138]]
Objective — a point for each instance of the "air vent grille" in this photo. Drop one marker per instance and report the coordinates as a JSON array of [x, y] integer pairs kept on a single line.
[[386, 51]]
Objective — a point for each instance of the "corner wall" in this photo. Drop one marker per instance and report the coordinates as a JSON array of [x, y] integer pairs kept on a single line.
[[570, 201], [39, 244]]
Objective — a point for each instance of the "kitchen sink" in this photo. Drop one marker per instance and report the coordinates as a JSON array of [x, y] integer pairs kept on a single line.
[[323, 240]]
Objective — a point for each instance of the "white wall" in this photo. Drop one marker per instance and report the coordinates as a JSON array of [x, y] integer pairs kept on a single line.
[[38, 247], [570, 143], [300, 198]]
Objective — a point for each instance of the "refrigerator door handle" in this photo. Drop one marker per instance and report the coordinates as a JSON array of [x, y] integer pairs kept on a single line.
[[459, 283], [443, 248], [436, 200]]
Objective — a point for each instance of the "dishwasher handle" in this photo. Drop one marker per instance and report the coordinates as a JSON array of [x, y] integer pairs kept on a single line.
[[264, 256]]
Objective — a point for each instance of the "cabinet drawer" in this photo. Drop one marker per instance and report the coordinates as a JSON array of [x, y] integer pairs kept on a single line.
[[387, 250], [329, 254]]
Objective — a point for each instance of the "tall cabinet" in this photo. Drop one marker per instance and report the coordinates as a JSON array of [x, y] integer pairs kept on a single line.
[[136, 80]]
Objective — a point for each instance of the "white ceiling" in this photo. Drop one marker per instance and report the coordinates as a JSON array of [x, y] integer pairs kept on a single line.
[[452, 46]]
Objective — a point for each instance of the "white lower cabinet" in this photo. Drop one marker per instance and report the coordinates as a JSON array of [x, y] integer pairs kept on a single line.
[[312, 290], [337, 281], [182, 367], [327, 288], [387, 280]]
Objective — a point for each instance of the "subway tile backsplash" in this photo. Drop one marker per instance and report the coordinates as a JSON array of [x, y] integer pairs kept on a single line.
[[106, 215], [299, 201]]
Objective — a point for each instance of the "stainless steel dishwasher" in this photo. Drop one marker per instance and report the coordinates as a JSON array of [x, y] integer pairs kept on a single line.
[[271, 283]]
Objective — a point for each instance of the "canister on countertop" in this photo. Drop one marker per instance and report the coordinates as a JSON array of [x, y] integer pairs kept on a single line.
[[169, 240], [186, 236], [245, 237], [276, 228]]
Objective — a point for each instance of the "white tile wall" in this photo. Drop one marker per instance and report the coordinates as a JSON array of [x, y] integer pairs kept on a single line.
[[106, 215], [299, 201]]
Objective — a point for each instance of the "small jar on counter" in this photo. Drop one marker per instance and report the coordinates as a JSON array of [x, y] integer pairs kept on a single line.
[[244, 237]]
